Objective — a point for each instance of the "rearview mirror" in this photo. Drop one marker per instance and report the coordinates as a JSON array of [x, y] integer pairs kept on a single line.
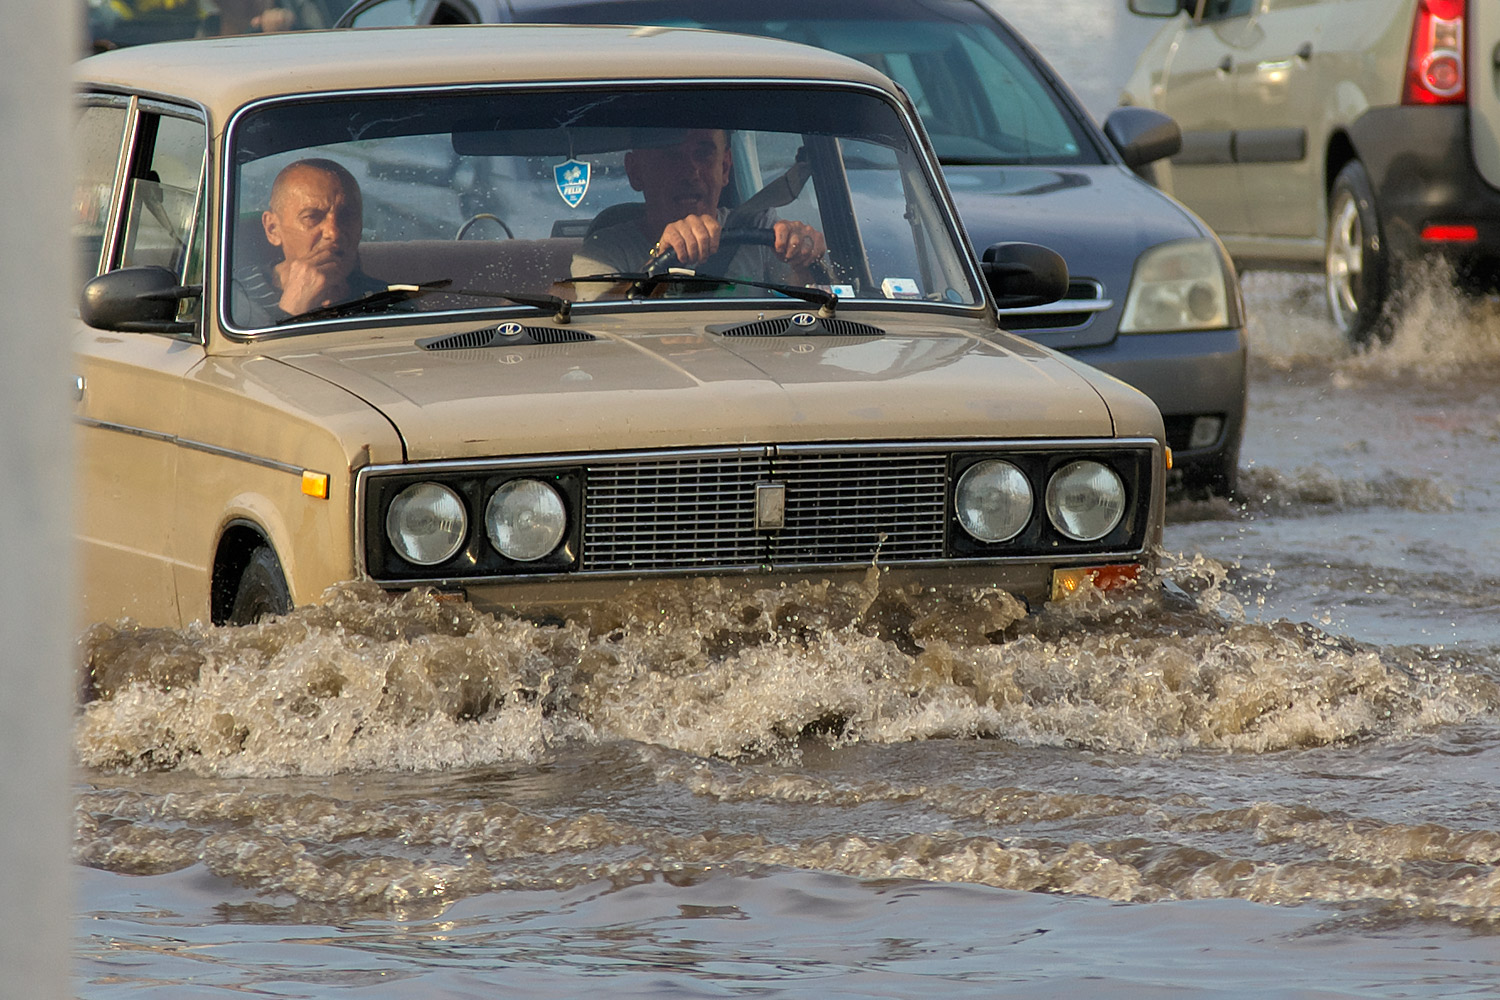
[[1021, 275], [1143, 135], [137, 300]]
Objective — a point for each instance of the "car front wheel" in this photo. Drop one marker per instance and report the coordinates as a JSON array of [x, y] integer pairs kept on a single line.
[[262, 590], [1356, 263]]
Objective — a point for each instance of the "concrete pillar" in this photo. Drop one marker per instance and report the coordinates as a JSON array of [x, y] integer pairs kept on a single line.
[[37, 45]]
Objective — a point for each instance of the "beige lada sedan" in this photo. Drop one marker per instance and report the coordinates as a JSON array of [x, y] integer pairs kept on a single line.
[[527, 315]]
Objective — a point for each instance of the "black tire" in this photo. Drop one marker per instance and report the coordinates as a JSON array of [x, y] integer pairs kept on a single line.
[[1204, 479], [262, 591], [1356, 264], [1219, 478]]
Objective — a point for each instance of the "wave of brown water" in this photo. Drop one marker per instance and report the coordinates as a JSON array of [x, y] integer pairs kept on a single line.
[[367, 681], [696, 730]]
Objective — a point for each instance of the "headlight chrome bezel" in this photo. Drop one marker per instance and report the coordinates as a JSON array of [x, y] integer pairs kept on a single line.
[[477, 556], [1041, 537]]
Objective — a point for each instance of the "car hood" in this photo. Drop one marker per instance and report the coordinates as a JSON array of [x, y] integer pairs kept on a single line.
[[1099, 217], [687, 387]]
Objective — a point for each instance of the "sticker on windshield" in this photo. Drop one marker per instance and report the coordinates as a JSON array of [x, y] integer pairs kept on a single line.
[[572, 181], [900, 288]]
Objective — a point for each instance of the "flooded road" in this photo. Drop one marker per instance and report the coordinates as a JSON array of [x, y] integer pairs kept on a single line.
[[1276, 776]]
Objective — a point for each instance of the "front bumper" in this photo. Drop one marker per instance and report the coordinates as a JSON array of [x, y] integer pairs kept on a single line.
[[580, 599]]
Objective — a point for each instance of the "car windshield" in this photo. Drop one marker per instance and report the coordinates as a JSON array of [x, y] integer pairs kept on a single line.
[[982, 98], [506, 199]]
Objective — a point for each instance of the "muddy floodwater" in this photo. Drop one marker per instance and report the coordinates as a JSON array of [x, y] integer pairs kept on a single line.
[[1277, 774]]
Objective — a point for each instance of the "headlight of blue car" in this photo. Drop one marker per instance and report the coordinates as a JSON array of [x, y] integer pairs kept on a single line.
[[1179, 286]]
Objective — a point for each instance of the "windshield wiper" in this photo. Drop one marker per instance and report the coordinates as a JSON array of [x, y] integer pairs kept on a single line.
[[644, 283], [562, 309], [369, 303]]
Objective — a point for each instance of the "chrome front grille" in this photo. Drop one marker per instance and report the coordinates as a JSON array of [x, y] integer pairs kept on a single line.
[[699, 511], [800, 507], [1084, 300]]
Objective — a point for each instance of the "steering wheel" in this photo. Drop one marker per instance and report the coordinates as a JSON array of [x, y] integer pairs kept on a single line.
[[481, 217], [730, 240]]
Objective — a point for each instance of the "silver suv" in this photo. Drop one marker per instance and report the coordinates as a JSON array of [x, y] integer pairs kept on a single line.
[[1361, 135]]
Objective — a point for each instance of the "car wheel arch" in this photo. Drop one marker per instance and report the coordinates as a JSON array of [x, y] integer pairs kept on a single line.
[[1340, 152], [239, 540]]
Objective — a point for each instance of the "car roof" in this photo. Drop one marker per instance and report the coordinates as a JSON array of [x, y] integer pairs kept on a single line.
[[226, 73]]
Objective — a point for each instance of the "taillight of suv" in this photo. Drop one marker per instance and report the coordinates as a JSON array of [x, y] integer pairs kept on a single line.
[[1435, 69]]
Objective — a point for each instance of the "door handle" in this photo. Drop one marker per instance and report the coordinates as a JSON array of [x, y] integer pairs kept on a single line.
[[1225, 65], [1305, 52]]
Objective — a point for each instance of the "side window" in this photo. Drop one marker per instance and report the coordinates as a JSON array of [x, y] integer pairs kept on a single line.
[[163, 192], [97, 134]]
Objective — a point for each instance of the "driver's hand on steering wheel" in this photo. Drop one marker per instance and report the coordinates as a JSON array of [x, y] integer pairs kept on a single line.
[[693, 238], [799, 244]]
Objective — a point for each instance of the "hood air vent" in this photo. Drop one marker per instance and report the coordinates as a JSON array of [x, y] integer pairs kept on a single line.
[[799, 325], [505, 335]]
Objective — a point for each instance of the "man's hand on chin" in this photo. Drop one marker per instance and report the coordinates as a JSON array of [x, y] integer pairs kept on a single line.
[[311, 283]]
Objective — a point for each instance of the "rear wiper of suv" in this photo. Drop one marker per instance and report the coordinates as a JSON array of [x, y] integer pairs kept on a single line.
[[393, 294], [644, 283]]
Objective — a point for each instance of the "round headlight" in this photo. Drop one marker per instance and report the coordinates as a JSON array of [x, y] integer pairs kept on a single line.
[[993, 501], [525, 519], [1085, 500], [426, 523]]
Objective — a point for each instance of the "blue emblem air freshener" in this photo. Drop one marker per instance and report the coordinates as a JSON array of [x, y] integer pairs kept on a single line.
[[572, 181]]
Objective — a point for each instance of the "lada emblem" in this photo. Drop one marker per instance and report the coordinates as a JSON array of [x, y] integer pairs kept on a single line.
[[511, 359], [804, 319], [510, 329], [803, 348], [770, 506]]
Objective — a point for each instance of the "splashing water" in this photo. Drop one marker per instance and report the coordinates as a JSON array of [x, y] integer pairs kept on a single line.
[[371, 682], [1435, 330]]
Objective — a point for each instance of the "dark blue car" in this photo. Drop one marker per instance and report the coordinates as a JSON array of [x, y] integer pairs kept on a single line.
[[1153, 299]]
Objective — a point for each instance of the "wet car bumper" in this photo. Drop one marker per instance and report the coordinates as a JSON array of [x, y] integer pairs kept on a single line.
[[1191, 377], [576, 598], [1423, 173]]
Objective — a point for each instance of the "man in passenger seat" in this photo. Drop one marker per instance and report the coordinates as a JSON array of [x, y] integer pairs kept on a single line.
[[681, 184]]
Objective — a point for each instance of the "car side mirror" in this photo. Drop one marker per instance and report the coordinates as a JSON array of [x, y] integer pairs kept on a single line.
[[1143, 135], [1161, 8], [137, 300], [1021, 275]]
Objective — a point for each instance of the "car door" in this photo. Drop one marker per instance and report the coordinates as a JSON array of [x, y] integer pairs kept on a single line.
[[1197, 89], [1278, 96], [139, 184]]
